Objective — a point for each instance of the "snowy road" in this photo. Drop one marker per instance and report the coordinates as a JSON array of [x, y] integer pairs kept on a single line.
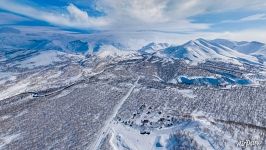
[[107, 127]]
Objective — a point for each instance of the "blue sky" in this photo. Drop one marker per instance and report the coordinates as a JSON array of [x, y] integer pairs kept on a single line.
[[214, 19]]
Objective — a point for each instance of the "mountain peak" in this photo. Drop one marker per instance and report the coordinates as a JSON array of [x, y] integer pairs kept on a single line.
[[201, 40], [198, 42], [153, 47]]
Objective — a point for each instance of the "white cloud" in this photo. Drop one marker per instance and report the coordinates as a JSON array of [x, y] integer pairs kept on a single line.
[[148, 11], [132, 15], [256, 17], [74, 17], [81, 18], [169, 10], [168, 15], [121, 15]]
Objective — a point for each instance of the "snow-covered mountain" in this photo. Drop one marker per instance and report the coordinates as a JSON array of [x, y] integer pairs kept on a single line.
[[153, 47], [42, 44], [113, 52], [253, 48], [243, 47], [201, 50], [15, 45], [12, 40], [78, 46]]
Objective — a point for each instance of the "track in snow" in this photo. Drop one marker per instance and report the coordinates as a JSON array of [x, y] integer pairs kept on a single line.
[[106, 129]]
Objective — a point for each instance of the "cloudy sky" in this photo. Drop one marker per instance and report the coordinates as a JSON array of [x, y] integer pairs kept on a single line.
[[181, 19]]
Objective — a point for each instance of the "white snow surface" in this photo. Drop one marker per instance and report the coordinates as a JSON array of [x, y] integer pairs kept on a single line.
[[43, 59], [127, 138], [201, 50], [153, 47], [106, 129], [249, 48], [19, 87], [4, 140], [111, 51], [187, 93]]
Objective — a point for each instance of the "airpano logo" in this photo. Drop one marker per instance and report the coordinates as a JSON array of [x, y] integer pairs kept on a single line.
[[250, 143]]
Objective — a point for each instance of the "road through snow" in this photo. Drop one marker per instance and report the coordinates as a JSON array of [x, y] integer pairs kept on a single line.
[[106, 129]]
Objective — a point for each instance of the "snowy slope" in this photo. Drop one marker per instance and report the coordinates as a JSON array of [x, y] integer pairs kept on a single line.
[[111, 51], [43, 59], [201, 50], [250, 48], [153, 47], [261, 51], [13, 39], [200, 130]]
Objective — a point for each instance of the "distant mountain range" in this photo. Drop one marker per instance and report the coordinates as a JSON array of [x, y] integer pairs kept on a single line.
[[200, 50], [18, 46]]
